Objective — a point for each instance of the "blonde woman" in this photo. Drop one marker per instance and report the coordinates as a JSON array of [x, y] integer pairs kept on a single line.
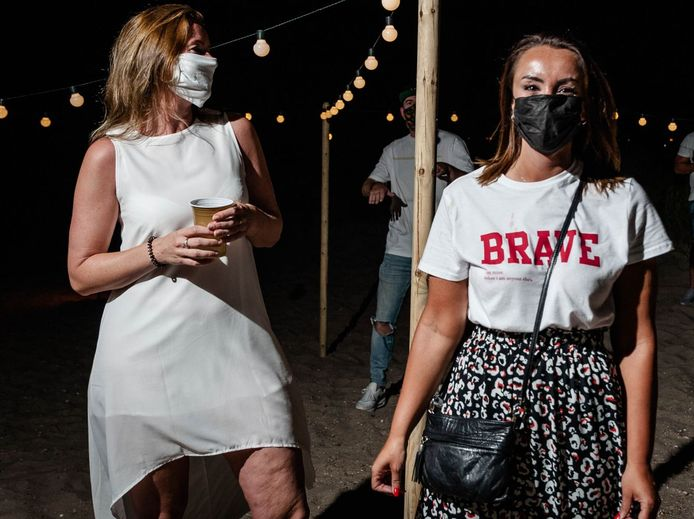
[[189, 390]]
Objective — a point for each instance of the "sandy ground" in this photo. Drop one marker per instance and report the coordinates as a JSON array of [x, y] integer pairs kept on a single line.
[[48, 340]]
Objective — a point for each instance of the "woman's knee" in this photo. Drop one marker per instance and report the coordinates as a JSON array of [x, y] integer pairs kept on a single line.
[[272, 480], [163, 494]]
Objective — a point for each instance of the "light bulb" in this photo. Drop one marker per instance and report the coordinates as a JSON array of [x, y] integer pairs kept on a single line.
[[261, 47], [76, 98], [454, 117], [615, 115], [642, 121], [340, 104], [328, 115], [672, 126], [45, 121], [389, 33], [348, 95], [323, 116], [280, 118], [390, 5], [3, 110], [334, 110], [330, 136], [359, 82], [248, 116], [371, 62], [389, 117]]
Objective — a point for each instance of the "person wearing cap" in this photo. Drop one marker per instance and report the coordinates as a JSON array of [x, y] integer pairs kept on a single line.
[[393, 179]]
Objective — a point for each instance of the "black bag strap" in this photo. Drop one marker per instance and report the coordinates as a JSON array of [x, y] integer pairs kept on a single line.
[[543, 295]]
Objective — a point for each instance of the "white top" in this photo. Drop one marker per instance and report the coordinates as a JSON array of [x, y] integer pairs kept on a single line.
[[501, 236], [186, 362], [687, 150], [396, 166]]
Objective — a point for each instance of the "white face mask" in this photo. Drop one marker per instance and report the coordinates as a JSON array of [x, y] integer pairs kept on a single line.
[[193, 77]]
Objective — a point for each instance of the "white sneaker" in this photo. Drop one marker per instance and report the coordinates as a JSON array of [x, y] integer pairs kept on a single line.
[[688, 297], [374, 397]]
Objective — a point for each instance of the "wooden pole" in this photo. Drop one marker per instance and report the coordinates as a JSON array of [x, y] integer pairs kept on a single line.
[[323, 333], [423, 210]]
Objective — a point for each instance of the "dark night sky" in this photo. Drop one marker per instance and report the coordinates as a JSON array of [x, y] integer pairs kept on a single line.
[[648, 60]]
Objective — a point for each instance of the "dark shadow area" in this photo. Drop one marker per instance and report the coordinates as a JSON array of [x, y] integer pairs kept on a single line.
[[676, 464], [332, 347], [393, 389], [364, 502]]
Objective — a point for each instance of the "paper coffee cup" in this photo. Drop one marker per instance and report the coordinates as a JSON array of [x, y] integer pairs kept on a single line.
[[203, 211]]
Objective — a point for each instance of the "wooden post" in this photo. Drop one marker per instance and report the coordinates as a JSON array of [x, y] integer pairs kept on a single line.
[[423, 210], [323, 333]]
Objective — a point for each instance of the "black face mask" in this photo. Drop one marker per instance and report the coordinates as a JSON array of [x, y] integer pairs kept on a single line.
[[547, 122]]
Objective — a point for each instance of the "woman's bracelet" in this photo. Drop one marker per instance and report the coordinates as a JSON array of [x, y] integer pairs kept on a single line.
[[150, 252]]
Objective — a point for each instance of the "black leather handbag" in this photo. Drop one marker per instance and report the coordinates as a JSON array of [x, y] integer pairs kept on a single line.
[[472, 458]]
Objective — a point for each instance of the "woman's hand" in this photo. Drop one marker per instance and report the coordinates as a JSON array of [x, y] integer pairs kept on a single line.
[[235, 222], [638, 487], [186, 247], [388, 466]]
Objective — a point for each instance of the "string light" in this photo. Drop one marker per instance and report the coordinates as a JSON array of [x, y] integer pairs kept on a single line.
[[642, 121], [348, 95], [45, 121], [323, 115], [339, 104], [390, 5], [371, 62], [3, 110], [359, 82], [249, 116], [389, 117], [76, 98], [334, 110], [615, 115], [672, 126], [389, 33], [261, 48], [330, 136], [280, 118], [454, 117]]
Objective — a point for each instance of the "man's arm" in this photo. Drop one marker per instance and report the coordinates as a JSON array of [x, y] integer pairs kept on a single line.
[[683, 165], [374, 190], [449, 173]]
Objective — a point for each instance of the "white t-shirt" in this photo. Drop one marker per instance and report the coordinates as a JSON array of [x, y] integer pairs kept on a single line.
[[501, 236], [687, 150], [396, 166]]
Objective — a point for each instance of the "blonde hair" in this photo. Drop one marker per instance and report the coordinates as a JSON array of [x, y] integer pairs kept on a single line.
[[595, 143], [142, 64]]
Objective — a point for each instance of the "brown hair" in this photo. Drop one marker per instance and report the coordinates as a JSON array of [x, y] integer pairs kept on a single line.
[[142, 64], [595, 143]]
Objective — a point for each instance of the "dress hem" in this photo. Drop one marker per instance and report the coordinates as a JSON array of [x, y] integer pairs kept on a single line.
[[194, 455]]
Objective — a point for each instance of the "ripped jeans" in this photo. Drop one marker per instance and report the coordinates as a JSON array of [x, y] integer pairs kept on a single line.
[[394, 277]]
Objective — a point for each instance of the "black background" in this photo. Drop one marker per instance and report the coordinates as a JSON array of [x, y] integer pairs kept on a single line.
[[647, 54]]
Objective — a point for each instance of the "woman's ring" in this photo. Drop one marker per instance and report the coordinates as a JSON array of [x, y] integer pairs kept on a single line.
[[185, 243]]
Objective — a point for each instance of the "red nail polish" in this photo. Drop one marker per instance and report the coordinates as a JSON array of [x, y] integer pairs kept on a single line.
[[396, 491], [617, 516]]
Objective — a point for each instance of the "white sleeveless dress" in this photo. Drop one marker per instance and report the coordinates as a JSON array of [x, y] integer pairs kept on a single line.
[[186, 362]]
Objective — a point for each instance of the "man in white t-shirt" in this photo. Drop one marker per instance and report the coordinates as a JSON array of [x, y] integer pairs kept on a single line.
[[393, 179], [684, 165]]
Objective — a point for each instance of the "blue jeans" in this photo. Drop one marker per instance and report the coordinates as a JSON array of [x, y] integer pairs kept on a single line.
[[393, 283]]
